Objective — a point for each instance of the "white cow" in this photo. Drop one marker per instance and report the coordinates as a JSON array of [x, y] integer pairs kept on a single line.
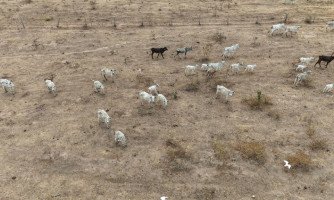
[[146, 97], [190, 70], [7, 85], [301, 68], [221, 90], [120, 138], [98, 87], [103, 116], [51, 87], [291, 30], [250, 68], [330, 25], [229, 51], [306, 60], [153, 89], [277, 28], [106, 72], [235, 67], [328, 88], [162, 100], [301, 77]]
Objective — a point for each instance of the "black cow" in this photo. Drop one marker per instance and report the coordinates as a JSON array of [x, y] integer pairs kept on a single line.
[[158, 51], [326, 59]]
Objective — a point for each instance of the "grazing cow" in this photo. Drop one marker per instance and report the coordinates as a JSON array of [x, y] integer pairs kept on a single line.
[[159, 51], [326, 59], [183, 50]]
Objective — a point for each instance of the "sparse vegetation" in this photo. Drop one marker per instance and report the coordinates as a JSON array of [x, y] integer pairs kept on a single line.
[[177, 157], [219, 150], [206, 52], [143, 79], [310, 130], [319, 144], [205, 193], [219, 37], [175, 95], [308, 83], [274, 114], [93, 5], [258, 102], [27, 1], [50, 18], [85, 25], [300, 161], [309, 19], [255, 42], [192, 87], [252, 150]]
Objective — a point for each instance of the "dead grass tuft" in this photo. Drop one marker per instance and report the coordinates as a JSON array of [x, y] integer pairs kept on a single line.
[[177, 157], [219, 37], [142, 79], [257, 102], [300, 161], [274, 114], [319, 144], [206, 53], [176, 151], [219, 150], [205, 193], [192, 87], [310, 130], [27, 1], [309, 19], [252, 150], [308, 83]]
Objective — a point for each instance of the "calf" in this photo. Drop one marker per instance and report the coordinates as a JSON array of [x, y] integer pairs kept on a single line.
[[326, 59], [159, 51]]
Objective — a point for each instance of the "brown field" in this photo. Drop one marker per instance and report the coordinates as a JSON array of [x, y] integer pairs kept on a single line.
[[199, 147]]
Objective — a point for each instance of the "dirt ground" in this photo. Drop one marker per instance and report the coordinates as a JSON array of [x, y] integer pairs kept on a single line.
[[54, 148]]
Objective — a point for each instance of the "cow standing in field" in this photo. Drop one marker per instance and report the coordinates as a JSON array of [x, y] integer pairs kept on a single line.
[[159, 51], [326, 59]]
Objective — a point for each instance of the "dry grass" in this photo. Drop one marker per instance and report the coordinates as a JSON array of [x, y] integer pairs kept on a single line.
[[145, 80], [177, 157], [205, 193], [257, 102], [310, 130], [309, 19], [319, 144], [300, 161], [308, 83], [219, 37], [219, 150], [253, 151], [206, 53], [27, 1], [50, 18], [274, 114], [192, 87]]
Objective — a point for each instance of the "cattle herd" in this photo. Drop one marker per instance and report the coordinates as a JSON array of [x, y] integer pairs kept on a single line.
[[153, 97]]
